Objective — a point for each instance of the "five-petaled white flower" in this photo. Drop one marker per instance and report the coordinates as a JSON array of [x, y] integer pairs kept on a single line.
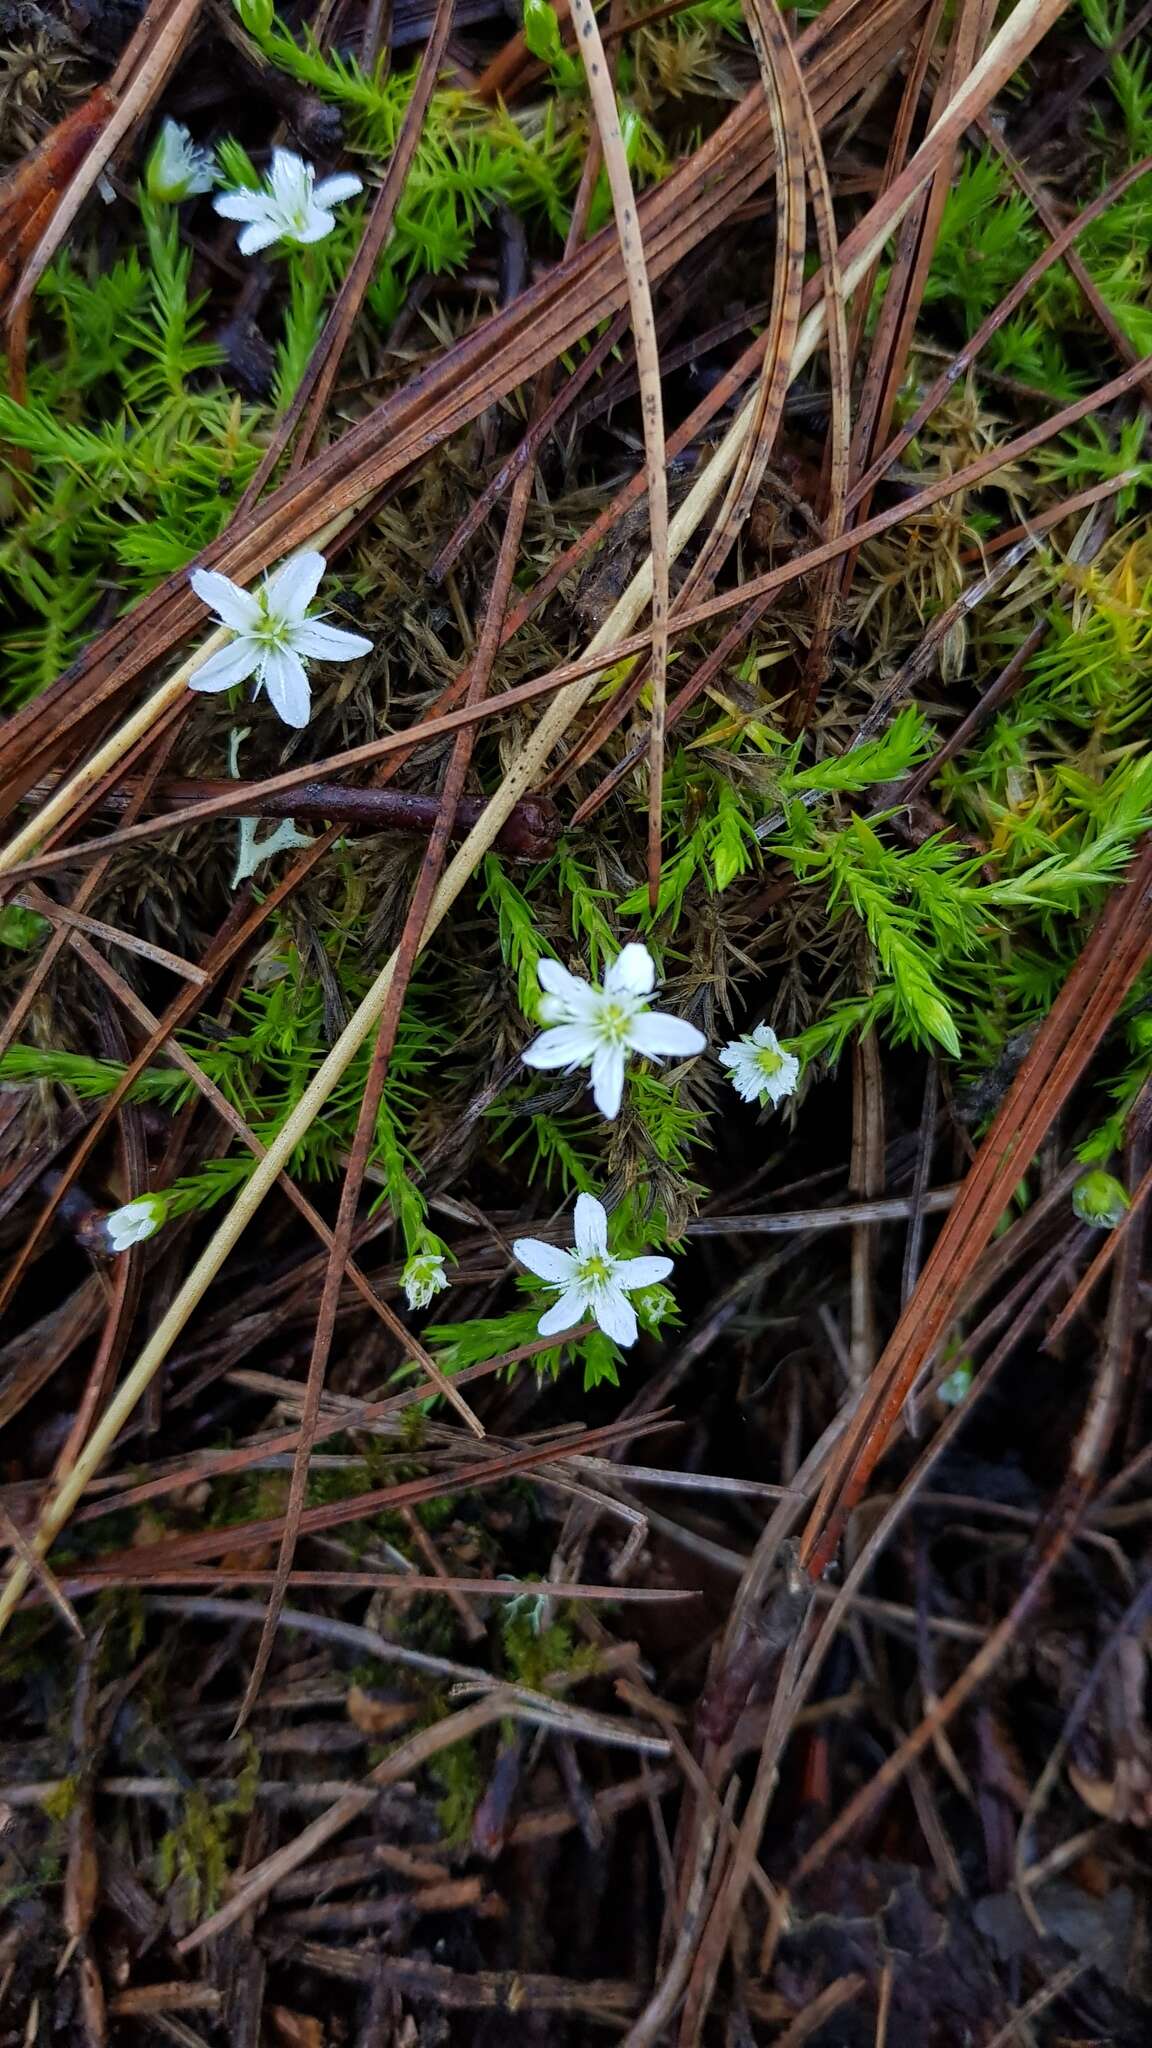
[[273, 634], [291, 207], [761, 1070], [177, 169], [591, 1281], [134, 1221], [599, 1027], [423, 1276]]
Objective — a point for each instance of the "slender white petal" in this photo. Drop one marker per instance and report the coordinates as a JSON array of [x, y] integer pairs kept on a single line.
[[615, 1315], [608, 1080], [328, 643], [547, 1261], [590, 1227], [564, 987], [632, 973], [231, 665], [290, 178], [643, 1272], [330, 191], [233, 607], [290, 589], [315, 226], [285, 678], [242, 205], [564, 1314], [658, 1035], [260, 235], [565, 1045]]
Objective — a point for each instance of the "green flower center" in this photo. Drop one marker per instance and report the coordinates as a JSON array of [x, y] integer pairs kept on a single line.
[[273, 633], [594, 1270], [613, 1022], [769, 1062]]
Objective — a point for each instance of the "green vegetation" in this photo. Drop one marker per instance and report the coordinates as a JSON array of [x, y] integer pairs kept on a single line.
[[951, 931]]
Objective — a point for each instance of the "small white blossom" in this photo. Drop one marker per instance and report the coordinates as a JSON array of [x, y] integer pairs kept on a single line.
[[599, 1027], [423, 1276], [761, 1070], [591, 1282], [177, 169], [273, 634], [957, 1386], [290, 207], [134, 1221]]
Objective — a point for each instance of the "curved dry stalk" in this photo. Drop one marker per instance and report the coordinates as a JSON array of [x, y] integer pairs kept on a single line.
[[783, 85], [604, 108]]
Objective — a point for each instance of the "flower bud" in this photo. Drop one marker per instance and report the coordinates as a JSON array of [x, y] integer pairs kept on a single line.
[[1100, 1199]]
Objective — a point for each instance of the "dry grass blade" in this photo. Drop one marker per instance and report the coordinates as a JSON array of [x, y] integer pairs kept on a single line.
[[607, 119]]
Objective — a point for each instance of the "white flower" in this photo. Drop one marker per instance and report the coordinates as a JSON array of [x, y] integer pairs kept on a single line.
[[273, 634], [176, 168], [599, 1027], [761, 1070], [134, 1221], [591, 1281], [423, 1276], [291, 207]]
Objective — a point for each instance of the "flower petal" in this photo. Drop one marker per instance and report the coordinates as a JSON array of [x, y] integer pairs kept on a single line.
[[567, 988], [579, 1007], [330, 191], [243, 205], [642, 1272], [547, 1261], [289, 592], [223, 670], [732, 1055], [328, 643], [632, 973], [615, 1315], [317, 223], [285, 678], [565, 1045], [233, 607], [290, 179], [260, 235], [661, 1036], [608, 1079], [564, 1314], [590, 1226]]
